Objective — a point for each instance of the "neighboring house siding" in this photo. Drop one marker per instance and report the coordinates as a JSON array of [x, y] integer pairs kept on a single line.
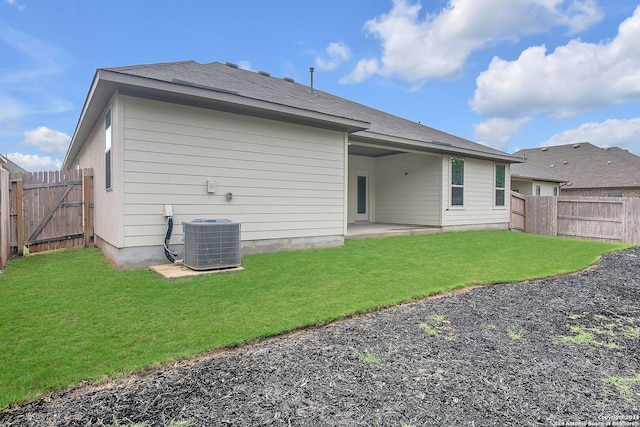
[[479, 196], [528, 187], [108, 211], [408, 189], [287, 180]]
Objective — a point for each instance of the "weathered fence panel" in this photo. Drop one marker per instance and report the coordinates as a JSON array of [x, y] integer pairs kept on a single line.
[[518, 212], [50, 210], [542, 215], [5, 219], [599, 218], [592, 218]]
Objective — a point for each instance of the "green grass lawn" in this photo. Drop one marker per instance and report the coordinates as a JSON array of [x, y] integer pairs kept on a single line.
[[69, 316]]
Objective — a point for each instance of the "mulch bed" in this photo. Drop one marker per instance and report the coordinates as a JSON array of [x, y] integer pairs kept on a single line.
[[506, 354]]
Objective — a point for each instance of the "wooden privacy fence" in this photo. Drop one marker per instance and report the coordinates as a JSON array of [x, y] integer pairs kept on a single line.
[[599, 218], [51, 210]]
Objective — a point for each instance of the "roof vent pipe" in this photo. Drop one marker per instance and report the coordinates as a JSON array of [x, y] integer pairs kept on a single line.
[[311, 70]]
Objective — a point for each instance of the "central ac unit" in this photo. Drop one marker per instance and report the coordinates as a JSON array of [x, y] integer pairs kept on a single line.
[[211, 244]]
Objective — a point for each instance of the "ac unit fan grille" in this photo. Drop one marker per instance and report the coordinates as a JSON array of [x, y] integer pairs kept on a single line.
[[211, 244]]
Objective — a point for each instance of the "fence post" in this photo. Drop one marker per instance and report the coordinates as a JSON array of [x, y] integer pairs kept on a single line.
[[19, 217]]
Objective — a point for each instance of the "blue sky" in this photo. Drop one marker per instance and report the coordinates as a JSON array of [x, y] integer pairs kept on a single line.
[[509, 74]]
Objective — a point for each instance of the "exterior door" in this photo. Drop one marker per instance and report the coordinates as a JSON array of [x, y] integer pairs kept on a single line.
[[362, 196]]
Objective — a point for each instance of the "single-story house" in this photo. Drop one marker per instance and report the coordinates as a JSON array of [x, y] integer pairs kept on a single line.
[[293, 164], [587, 170], [10, 166], [529, 180]]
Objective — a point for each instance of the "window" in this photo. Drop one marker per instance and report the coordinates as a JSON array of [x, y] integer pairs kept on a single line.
[[457, 181], [537, 190], [614, 195], [107, 150], [500, 184], [362, 195], [555, 191]]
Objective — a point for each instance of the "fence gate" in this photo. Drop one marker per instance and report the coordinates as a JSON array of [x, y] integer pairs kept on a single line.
[[518, 212], [51, 210]]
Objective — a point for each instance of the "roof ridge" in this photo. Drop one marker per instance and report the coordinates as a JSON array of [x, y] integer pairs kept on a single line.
[[148, 65], [625, 157]]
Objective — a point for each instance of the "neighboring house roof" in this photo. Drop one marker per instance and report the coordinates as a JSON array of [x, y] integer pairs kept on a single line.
[[9, 165], [532, 172], [229, 88], [584, 165]]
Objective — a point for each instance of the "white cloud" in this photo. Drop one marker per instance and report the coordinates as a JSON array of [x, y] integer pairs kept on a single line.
[[437, 45], [245, 65], [17, 5], [497, 132], [574, 78], [25, 87], [46, 59], [340, 50], [365, 69], [10, 108], [581, 15], [47, 140], [610, 133], [34, 162], [337, 53]]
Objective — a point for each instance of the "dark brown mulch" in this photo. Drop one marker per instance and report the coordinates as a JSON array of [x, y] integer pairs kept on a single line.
[[444, 361]]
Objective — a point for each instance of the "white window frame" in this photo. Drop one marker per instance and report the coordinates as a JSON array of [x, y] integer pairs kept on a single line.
[[461, 185], [503, 188]]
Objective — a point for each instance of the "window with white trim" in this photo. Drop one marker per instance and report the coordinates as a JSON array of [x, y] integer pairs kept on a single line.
[[457, 181], [500, 184], [107, 150]]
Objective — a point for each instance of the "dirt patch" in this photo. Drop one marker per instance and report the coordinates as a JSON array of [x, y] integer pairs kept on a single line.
[[558, 351]]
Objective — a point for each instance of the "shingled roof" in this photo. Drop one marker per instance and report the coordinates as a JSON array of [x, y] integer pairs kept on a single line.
[[232, 87], [536, 173], [9, 165], [584, 165]]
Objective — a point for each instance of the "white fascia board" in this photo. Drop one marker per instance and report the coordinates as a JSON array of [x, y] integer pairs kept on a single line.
[[231, 98], [398, 143]]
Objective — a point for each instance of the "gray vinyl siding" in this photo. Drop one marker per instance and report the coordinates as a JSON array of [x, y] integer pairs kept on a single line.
[[287, 180], [408, 188]]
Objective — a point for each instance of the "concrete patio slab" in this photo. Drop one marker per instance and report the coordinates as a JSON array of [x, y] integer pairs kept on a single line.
[[364, 230]]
